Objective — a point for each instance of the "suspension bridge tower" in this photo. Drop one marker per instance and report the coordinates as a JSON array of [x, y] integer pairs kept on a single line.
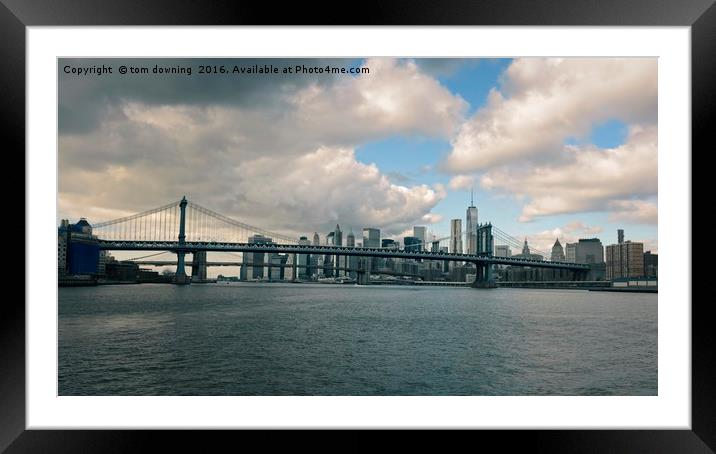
[[485, 246], [180, 278]]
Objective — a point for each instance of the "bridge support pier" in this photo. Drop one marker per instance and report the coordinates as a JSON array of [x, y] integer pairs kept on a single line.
[[364, 265], [180, 278], [294, 268], [483, 276]]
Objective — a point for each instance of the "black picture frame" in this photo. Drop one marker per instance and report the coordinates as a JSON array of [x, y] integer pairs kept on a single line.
[[16, 15]]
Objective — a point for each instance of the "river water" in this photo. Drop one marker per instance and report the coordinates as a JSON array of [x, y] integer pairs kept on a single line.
[[318, 339]]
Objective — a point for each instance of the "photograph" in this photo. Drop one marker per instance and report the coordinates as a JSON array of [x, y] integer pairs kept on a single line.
[[357, 226]]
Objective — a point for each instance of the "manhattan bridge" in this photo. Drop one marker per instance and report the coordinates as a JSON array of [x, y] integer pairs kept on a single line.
[[184, 227]]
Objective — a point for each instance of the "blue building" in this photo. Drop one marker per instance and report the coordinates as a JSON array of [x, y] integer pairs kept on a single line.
[[78, 249]]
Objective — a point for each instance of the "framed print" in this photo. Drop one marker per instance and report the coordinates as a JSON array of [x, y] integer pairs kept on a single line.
[[424, 219]]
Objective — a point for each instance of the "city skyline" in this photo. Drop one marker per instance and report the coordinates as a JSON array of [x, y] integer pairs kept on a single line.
[[392, 147]]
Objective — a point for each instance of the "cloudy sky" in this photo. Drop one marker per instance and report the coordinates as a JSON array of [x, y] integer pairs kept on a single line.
[[553, 147]]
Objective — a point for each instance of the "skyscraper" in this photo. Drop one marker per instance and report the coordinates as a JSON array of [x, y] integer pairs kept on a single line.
[[471, 226], [316, 239], [570, 253], [412, 244], [502, 250], [557, 252], [338, 236], [352, 260], [254, 262], [351, 239], [456, 236], [338, 241], [590, 250], [371, 237], [625, 260], [421, 234], [620, 236], [304, 260]]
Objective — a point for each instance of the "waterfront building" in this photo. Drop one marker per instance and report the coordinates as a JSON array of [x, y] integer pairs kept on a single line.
[[557, 252], [121, 271], [625, 260], [456, 236], [78, 249], [651, 264]]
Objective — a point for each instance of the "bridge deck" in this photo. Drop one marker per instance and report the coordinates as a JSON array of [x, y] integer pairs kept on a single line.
[[196, 246]]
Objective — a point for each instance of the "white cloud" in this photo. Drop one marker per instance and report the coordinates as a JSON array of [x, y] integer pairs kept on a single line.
[[569, 233], [463, 182], [286, 166], [545, 101], [587, 178], [394, 97], [326, 187], [634, 211]]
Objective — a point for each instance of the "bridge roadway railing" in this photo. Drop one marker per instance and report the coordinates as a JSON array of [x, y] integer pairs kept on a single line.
[[193, 246]]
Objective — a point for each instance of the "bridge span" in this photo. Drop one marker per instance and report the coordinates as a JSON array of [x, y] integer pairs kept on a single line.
[[155, 230]]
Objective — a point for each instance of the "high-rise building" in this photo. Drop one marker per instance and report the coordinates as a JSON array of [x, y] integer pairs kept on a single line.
[[316, 239], [254, 262], [421, 233], [620, 236], [77, 248], [625, 260], [412, 244], [351, 239], [570, 252], [502, 250], [388, 243], [371, 237], [471, 227], [338, 236], [435, 246], [304, 260], [338, 241], [456, 236], [590, 251], [557, 252], [651, 264], [352, 259]]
